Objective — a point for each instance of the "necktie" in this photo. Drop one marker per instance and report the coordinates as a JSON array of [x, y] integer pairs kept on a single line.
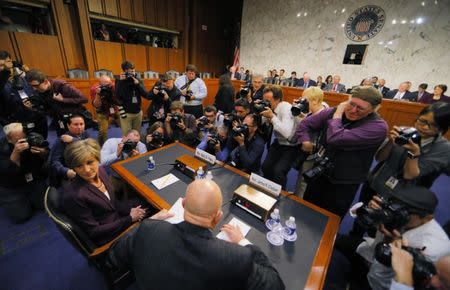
[[305, 85], [334, 87]]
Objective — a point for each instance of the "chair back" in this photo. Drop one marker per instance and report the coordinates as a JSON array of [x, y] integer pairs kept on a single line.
[[139, 74], [101, 72], [205, 75], [77, 74], [173, 73], [151, 75]]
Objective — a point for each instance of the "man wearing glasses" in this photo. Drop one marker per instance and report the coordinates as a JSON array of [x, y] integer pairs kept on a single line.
[[349, 136]]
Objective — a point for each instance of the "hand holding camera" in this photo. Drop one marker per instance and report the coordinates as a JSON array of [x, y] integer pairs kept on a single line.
[[402, 263], [307, 147], [66, 138], [407, 137], [58, 97]]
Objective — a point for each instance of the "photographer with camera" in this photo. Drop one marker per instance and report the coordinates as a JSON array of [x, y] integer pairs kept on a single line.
[[209, 122], [193, 91], [155, 136], [224, 98], [349, 136], [163, 93], [15, 101], [215, 143], [406, 212], [283, 150], [23, 172], [129, 90], [250, 146], [416, 155], [105, 103], [56, 98], [180, 126], [254, 91], [59, 173]]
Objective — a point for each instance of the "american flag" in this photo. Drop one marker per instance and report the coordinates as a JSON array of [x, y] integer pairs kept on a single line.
[[237, 45], [236, 58]]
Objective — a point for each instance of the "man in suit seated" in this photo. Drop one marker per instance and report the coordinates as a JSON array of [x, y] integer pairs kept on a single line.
[[234, 75], [401, 94], [306, 82], [293, 79], [336, 86], [421, 92], [188, 256], [382, 88]]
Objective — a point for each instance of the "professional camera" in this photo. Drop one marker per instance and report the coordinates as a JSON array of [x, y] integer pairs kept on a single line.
[[202, 122], [129, 76], [175, 120], [407, 133], [213, 140], [229, 119], [245, 90], [157, 138], [423, 268], [37, 103], [241, 129], [161, 88], [189, 94], [36, 140], [299, 107], [393, 215], [106, 93], [321, 165], [261, 106], [18, 80], [129, 146], [122, 112]]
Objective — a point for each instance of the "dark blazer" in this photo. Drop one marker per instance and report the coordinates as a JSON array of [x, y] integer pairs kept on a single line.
[[301, 82], [186, 256], [408, 96], [237, 75], [101, 218], [224, 100], [384, 91], [416, 95], [340, 88]]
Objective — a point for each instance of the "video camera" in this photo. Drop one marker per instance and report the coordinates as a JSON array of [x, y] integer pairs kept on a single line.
[[202, 122], [229, 119], [321, 165], [175, 120], [241, 129], [299, 107], [260, 106], [36, 140], [406, 134], [247, 88], [393, 214], [129, 146], [423, 268]]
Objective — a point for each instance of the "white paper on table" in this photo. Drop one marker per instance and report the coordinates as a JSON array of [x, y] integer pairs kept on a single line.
[[164, 181], [245, 228], [178, 210]]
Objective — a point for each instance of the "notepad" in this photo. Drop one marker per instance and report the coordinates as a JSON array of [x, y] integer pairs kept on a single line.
[[234, 221], [164, 181], [178, 211]]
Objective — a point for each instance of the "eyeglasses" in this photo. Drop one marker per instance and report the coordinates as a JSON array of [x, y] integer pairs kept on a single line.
[[358, 107], [423, 122], [36, 85]]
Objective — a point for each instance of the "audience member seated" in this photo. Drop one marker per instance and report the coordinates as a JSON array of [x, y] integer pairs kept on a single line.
[[381, 87], [421, 92], [320, 83], [284, 147], [216, 143], [293, 79], [59, 173], [163, 93], [103, 97], [180, 126], [194, 258], [375, 82], [328, 80], [209, 122], [401, 94], [23, 172], [281, 77], [193, 91], [224, 98], [306, 82], [336, 86], [129, 90], [58, 98], [250, 145], [419, 227], [354, 131], [91, 201], [155, 137], [437, 96], [233, 74]]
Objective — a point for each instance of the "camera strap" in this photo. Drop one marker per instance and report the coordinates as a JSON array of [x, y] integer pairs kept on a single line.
[[188, 83]]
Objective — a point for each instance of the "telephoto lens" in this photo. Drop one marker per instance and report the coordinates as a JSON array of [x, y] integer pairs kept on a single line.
[[122, 112]]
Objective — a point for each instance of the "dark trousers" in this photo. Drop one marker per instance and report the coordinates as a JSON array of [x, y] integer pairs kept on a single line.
[[278, 162], [19, 202], [336, 198], [197, 110], [365, 196]]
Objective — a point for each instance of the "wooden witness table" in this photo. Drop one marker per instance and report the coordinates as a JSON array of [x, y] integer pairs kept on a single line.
[[302, 264]]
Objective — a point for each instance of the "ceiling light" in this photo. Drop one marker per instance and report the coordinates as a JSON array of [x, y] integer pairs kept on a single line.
[[394, 21]]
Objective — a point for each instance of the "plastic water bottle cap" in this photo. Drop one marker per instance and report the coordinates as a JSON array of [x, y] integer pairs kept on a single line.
[[276, 211], [292, 219], [150, 158]]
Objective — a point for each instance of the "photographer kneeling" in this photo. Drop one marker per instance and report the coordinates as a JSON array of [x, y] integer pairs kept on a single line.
[[406, 212], [209, 122], [155, 136], [215, 143], [180, 126], [163, 93], [23, 172], [116, 149]]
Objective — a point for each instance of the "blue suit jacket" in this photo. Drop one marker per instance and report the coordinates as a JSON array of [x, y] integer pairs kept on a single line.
[[301, 82]]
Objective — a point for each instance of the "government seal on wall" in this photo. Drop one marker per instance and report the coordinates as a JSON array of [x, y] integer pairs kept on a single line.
[[365, 22]]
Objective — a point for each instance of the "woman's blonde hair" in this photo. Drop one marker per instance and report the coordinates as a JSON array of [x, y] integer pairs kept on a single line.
[[313, 94], [78, 151]]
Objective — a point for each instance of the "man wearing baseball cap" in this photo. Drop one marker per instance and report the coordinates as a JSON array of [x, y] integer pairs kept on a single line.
[[349, 136]]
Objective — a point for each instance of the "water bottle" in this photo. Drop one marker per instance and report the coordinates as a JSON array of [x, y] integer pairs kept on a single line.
[[200, 173], [274, 219], [151, 165], [289, 232], [209, 175], [275, 236]]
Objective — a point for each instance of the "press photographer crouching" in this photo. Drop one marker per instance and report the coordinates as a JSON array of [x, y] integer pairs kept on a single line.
[[416, 154], [215, 143], [23, 172], [406, 212], [155, 136], [209, 122], [180, 126], [163, 93], [241, 110], [250, 145], [349, 136]]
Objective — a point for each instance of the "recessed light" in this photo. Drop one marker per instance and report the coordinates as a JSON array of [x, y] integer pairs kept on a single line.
[[343, 10], [394, 21], [403, 21], [419, 20]]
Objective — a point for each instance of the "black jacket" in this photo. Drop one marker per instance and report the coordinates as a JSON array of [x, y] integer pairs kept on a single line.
[[129, 95], [158, 102], [224, 100]]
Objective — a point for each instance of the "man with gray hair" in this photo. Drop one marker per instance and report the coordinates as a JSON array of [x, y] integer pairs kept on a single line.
[[401, 94]]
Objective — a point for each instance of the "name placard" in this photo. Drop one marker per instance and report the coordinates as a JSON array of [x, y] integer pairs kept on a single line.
[[205, 156], [270, 186]]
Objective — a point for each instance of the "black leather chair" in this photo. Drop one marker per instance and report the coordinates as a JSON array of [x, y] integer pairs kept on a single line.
[[96, 256]]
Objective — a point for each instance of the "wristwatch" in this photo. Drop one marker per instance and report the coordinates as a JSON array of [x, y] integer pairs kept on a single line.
[[412, 156]]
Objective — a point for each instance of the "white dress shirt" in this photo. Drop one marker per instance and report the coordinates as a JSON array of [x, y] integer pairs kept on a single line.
[[197, 87], [108, 155], [284, 124], [399, 95]]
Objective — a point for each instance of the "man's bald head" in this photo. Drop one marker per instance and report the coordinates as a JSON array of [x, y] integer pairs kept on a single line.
[[105, 80], [202, 203]]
